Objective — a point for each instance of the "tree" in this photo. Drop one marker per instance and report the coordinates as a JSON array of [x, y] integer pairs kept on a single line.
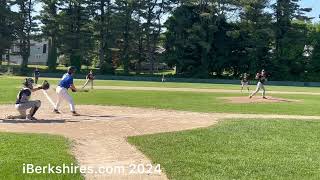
[[256, 35], [286, 34], [50, 29], [125, 9], [7, 31], [102, 11], [75, 34], [25, 27], [313, 51], [196, 39]]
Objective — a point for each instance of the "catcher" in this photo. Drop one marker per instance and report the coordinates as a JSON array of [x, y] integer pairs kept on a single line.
[[23, 102], [262, 78]]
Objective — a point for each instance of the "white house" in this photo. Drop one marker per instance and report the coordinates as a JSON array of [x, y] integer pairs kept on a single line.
[[38, 53]]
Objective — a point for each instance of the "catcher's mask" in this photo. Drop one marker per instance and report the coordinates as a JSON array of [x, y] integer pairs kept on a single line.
[[71, 69], [28, 83]]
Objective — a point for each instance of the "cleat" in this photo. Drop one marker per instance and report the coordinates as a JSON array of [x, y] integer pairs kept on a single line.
[[56, 111], [75, 114], [30, 118]]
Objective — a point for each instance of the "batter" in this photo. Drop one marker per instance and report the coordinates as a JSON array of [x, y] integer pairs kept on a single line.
[[62, 91]]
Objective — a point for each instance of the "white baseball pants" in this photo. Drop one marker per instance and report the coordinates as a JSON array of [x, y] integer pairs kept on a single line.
[[23, 107], [63, 94], [260, 86], [87, 82]]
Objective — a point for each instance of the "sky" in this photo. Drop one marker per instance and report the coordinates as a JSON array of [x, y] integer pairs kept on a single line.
[[314, 4]]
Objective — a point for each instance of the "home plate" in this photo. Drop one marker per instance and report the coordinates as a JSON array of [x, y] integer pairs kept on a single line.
[[29, 121]]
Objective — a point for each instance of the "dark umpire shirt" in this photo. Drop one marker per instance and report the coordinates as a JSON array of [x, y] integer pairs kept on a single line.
[[37, 73]]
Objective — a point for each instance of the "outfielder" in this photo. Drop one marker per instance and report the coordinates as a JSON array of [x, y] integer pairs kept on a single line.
[[23, 102], [245, 81], [62, 91], [262, 78]]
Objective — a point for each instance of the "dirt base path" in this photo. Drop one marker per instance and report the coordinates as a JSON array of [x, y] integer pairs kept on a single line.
[[196, 90], [100, 133]]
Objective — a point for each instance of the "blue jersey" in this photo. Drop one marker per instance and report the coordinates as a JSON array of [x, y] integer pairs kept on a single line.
[[66, 81]]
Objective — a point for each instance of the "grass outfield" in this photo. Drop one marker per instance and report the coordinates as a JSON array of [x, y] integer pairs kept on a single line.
[[198, 102], [80, 82], [244, 149], [197, 85], [41, 150], [188, 101]]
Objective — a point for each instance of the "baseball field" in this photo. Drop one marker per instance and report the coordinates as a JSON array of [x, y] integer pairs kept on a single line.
[[165, 130]]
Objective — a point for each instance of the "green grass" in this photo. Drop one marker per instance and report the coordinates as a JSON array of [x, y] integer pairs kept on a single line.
[[244, 149], [80, 82], [17, 149], [9, 89], [198, 102], [188, 101], [198, 85]]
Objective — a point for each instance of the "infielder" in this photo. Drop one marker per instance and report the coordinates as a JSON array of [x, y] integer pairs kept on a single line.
[[262, 78], [62, 91], [89, 78], [245, 81], [23, 102]]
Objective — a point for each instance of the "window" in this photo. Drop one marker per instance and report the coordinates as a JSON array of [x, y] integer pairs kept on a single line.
[[44, 50]]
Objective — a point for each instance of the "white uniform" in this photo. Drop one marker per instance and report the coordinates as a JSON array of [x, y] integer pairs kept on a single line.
[[62, 92], [90, 78], [260, 85]]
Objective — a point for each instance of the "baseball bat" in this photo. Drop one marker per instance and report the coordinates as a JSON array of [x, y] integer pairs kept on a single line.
[[82, 90], [48, 97]]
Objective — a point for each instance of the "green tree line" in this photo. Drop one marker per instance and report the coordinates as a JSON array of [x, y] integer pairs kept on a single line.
[[199, 38]]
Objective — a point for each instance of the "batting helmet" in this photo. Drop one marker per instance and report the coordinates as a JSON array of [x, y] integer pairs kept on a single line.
[[71, 69]]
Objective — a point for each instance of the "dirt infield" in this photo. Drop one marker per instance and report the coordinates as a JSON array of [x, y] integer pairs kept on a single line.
[[257, 99], [100, 134]]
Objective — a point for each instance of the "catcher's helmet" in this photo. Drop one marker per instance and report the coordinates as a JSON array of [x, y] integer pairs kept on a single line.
[[71, 69], [28, 82]]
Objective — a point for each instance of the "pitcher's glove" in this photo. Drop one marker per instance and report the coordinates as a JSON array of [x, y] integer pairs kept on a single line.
[[45, 85], [73, 90]]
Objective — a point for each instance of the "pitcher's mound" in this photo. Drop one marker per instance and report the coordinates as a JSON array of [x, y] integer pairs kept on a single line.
[[257, 99]]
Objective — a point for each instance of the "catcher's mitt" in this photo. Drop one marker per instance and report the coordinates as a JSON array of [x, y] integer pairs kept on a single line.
[[45, 85]]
